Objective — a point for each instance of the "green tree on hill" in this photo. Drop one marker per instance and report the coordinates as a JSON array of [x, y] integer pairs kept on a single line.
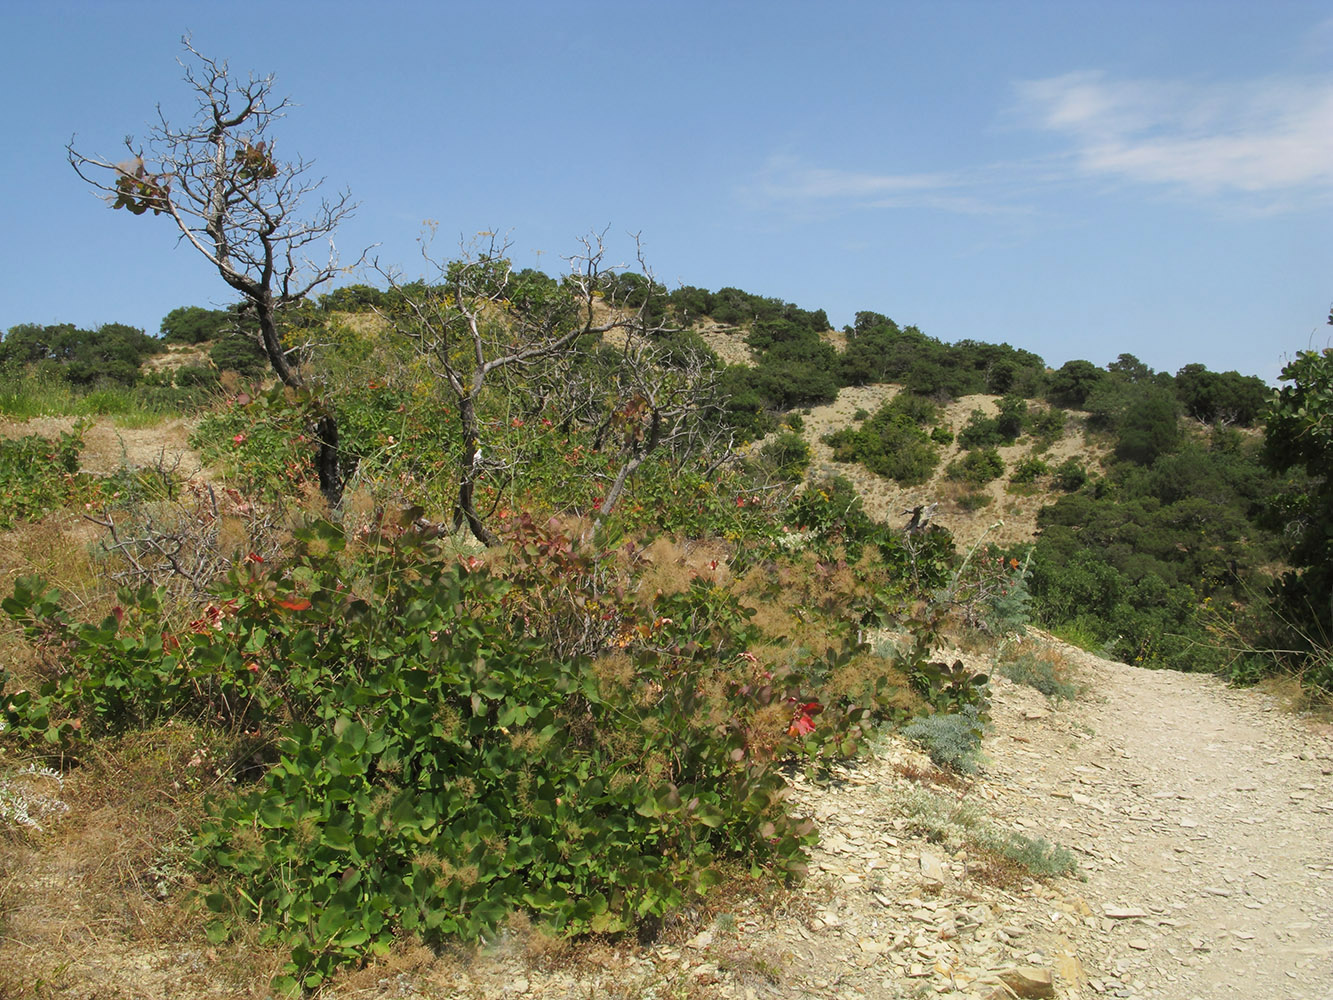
[[1300, 439], [195, 325]]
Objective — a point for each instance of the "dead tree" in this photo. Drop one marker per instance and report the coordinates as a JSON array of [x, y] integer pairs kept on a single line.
[[484, 326], [476, 325], [661, 405], [218, 178]]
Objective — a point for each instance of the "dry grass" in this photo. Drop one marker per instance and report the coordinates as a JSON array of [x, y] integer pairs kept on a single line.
[[995, 869], [101, 905], [670, 565], [932, 776], [108, 448], [1315, 705]]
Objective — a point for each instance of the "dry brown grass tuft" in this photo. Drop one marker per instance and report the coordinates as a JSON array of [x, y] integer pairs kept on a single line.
[[932, 776], [863, 675], [408, 960], [669, 565], [102, 904], [995, 869]]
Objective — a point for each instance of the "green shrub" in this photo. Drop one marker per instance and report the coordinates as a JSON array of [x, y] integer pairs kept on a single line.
[[1070, 475], [437, 748], [195, 325], [1029, 470], [787, 455], [974, 501], [38, 475], [189, 376], [894, 442], [980, 431], [1047, 426], [1040, 674], [1009, 600], [953, 740], [860, 414], [979, 467], [239, 353]]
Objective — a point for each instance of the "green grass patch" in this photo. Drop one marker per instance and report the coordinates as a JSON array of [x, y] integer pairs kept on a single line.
[[134, 407], [1041, 674], [959, 823]]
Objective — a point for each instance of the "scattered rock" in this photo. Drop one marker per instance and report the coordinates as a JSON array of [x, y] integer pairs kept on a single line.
[[1029, 982], [932, 869], [1070, 970], [1124, 912]]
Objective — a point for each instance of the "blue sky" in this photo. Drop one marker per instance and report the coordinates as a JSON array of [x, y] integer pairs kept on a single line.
[[1078, 179]]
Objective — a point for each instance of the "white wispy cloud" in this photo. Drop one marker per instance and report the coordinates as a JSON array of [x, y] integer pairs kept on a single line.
[[1264, 145], [789, 181], [1270, 137]]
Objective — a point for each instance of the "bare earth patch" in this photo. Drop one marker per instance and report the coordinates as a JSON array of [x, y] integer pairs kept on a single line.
[[108, 448], [1009, 518]]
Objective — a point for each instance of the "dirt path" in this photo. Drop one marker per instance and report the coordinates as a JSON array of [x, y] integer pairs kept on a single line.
[[1207, 810], [1202, 819]]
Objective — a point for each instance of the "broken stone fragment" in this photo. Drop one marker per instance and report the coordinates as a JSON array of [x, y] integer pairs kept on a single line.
[[932, 869], [1123, 912], [1029, 982]]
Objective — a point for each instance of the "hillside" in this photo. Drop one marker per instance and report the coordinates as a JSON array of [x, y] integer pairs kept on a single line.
[[1010, 518], [522, 645]]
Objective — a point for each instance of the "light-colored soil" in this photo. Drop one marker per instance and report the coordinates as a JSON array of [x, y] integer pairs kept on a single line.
[[108, 448], [1009, 518]]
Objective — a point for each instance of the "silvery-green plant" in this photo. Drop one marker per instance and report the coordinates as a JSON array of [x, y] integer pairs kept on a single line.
[[26, 799]]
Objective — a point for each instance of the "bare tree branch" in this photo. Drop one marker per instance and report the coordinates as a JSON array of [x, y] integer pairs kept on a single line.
[[219, 180]]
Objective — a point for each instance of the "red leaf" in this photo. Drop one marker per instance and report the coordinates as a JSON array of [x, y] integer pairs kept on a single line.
[[299, 604]]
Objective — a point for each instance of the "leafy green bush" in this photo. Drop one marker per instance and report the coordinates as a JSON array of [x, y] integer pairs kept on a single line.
[[1029, 470], [241, 354], [112, 352], [894, 442], [38, 475], [788, 455], [979, 466], [436, 747], [974, 501], [260, 442], [1047, 426], [195, 325], [1070, 475], [979, 432]]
